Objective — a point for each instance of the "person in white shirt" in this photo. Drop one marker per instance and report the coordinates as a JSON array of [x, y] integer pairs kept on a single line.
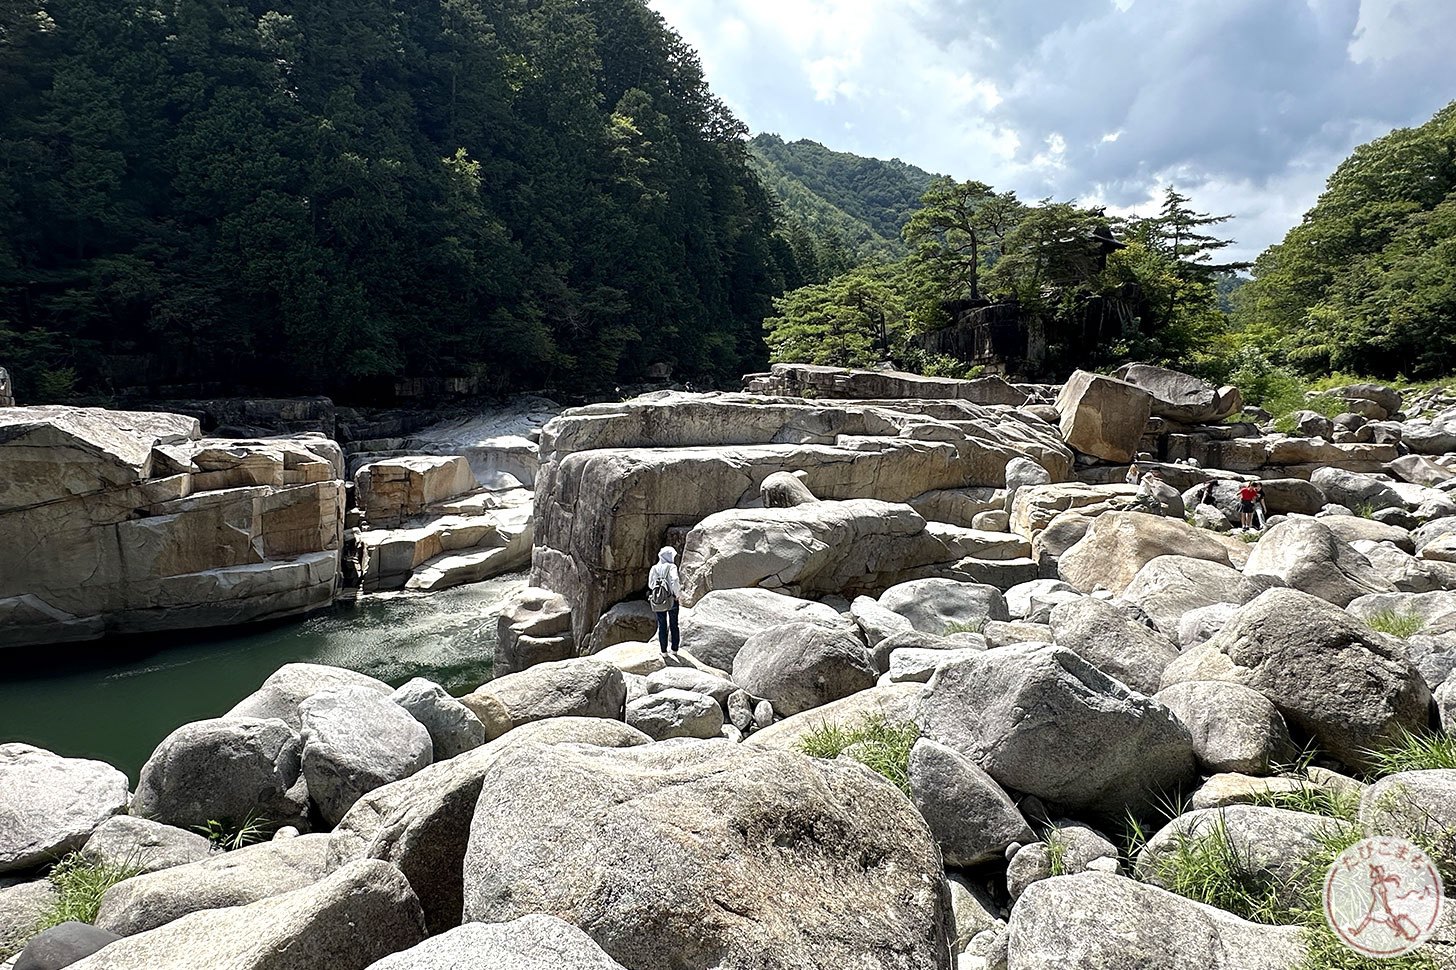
[[664, 588]]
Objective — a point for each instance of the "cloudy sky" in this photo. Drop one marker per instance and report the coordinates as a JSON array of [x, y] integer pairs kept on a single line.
[[1247, 105]]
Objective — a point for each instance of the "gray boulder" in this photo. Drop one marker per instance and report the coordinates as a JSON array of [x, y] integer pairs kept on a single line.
[[1119, 544], [355, 917], [1199, 626], [422, 824], [1330, 676], [354, 741], [1103, 417], [226, 879], [691, 678], [1234, 728], [934, 605], [582, 687], [1020, 473], [21, 908], [1419, 806], [918, 664], [971, 817], [63, 946], [1168, 588], [895, 702], [453, 729], [535, 942], [674, 713], [1112, 641], [1272, 846], [1097, 921], [800, 666], [718, 625], [720, 855], [1353, 529], [1033, 602], [126, 840], [1305, 555], [1354, 491], [1435, 610], [1181, 397], [292, 684], [228, 770], [1041, 720], [51, 805]]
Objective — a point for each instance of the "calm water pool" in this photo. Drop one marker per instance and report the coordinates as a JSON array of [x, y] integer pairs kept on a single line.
[[115, 700]]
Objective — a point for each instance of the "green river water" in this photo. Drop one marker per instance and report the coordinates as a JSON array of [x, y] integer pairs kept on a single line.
[[115, 700]]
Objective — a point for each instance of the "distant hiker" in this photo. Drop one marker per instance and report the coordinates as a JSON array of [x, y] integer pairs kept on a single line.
[[1261, 511], [1204, 495], [1248, 496], [663, 590], [1133, 476], [354, 561], [1147, 494]]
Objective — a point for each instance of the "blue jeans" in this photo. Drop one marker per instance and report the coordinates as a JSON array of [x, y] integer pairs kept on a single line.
[[664, 620]]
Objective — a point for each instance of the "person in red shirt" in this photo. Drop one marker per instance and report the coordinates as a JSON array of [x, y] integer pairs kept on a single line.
[[1248, 495]]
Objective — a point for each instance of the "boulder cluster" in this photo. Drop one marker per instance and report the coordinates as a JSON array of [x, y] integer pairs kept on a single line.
[[951, 694]]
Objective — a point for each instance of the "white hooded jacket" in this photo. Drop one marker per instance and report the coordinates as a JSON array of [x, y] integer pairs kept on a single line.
[[666, 571]]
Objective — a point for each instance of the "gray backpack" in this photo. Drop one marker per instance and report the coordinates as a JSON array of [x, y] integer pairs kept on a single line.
[[659, 595]]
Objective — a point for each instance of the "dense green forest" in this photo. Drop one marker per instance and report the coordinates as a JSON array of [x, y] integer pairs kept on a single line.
[[1367, 281], [303, 197], [838, 209]]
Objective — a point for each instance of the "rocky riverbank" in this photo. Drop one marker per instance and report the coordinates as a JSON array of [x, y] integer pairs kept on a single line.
[[951, 695]]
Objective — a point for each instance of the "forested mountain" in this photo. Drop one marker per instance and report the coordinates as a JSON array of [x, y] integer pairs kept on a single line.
[[325, 196], [1367, 281], [857, 204]]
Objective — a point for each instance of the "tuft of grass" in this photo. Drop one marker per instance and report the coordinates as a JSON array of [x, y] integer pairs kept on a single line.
[[1414, 752], [227, 838], [1312, 800], [81, 884], [1401, 625], [971, 626], [1056, 851], [1208, 867], [1251, 537], [1365, 510], [877, 742]]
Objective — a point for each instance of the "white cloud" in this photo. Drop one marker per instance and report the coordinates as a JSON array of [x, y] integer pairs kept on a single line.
[[1246, 104]]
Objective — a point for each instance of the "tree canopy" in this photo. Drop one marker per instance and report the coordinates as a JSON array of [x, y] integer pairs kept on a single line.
[[304, 197], [1367, 281]]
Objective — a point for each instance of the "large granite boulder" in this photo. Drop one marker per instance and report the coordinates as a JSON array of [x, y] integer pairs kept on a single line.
[[1096, 921], [124, 522], [453, 729], [534, 627], [675, 713], [1107, 637], [1169, 588], [1419, 806], [719, 624], [229, 770], [1102, 416], [354, 741], [50, 805], [850, 548], [971, 817], [1120, 543], [235, 878], [1331, 677], [535, 942], [935, 605], [356, 916], [1181, 397], [616, 478], [1041, 720], [422, 824], [1305, 555], [395, 489], [583, 687], [1355, 491], [800, 666], [128, 841], [893, 702], [701, 854], [1234, 728], [285, 690]]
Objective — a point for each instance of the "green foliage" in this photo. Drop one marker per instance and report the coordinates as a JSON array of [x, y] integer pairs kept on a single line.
[[1396, 624], [1365, 282], [1313, 800], [1056, 845], [875, 741], [1412, 751], [227, 837], [1207, 866], [846, 322], [327, 198], [81, 884], [969, 626]]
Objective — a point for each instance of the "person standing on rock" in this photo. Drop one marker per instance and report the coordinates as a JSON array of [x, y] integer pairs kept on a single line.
[[1248, 495], [1133, 476], [664, 587], [1261, 511]]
